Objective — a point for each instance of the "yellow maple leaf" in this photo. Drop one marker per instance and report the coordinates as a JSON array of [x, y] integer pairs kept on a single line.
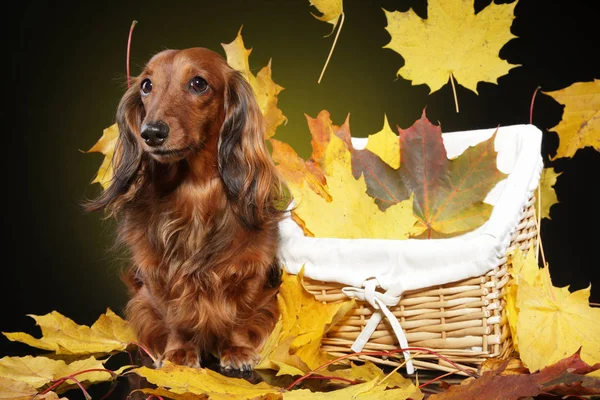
[[39, 371], [580, 123], [106, 145], [352, 213], [60, 334], [12, 389], [331, 10], [294, 346], [386, 145], [265, 89], [548, 197], [453, 42], [549, 323], [181, 379]]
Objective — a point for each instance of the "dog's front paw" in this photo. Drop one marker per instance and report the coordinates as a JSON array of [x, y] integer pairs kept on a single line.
[[239, 360], [187, 356]]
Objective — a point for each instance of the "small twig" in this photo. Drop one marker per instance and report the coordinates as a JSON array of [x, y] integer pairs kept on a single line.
[[339, 378], [382, 353], [454, 91], [133, 24], [332, 46], [436, 379]]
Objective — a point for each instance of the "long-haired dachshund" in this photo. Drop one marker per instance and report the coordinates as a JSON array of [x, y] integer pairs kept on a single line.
[[196, 195]]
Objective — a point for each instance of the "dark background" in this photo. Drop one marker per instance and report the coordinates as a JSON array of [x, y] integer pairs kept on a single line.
[[65, 74]]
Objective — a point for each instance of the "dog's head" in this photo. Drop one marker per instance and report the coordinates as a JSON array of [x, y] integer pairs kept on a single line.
[[188, 104]]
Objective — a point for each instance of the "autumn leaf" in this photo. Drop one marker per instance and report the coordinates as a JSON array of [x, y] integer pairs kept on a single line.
[[294, 345], [566, 377], [60, 334], [351, 213], [39, 371], [386, 145], [580, 123], [164, 393], [452, 43], [549, 323], [12, 389], [331, 11], [548, 197], [106, 145], [181, 379], [265, 89]]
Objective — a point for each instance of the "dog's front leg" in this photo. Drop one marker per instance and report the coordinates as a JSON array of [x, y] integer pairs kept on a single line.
[[238, 354], [181, 350]]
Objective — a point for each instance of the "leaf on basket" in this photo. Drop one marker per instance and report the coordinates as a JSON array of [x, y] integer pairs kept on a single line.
[[39, 371], [580, 123], [60, 334], [265, 89], [452, 42], [548, 197], [565, 377], [294, 345], [549, 323], [449, 194], [181, 379], [352, 213], [106, 145]]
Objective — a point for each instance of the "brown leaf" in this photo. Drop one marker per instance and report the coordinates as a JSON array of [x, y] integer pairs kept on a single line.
[[564, 378]]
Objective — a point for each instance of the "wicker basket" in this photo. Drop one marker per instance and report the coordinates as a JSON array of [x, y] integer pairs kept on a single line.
[[395, 283], [464, 321]]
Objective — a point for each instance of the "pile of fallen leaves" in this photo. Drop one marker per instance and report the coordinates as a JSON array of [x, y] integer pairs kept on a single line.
[[380, 191]]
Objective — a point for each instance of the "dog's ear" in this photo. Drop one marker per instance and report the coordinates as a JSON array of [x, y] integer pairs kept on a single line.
[[247, 170], [128, 154]]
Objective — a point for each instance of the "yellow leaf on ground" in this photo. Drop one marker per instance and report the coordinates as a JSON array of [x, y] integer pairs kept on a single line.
[[350, 392], [180, 379], [386, 145], [63, 336], [304, 322], [549, 323], [548, 198], [352, 213], [452, 41], [39, 371], [265, 89], [12, 389], [106, 145], [331, 10], [164, 393], [580, 123]]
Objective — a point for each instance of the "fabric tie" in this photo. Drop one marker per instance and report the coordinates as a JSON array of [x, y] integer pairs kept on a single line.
[[380, 302]]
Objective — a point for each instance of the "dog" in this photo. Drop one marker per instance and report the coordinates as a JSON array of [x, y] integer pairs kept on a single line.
[[196, 194]]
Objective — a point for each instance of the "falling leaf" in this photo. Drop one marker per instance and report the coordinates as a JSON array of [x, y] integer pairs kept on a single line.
[[39, 371], [566, 377], [265, 90], [60, 334], [294, 346], [351, 213], [452, 43], [181, 379], [548, 197], [331, 10], [106, 145], [580, 123]]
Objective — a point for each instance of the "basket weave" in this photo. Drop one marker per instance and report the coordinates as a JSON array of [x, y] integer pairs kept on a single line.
[[464, 321]]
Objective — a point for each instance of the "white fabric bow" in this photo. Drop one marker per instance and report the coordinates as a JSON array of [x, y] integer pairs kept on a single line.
[[380, 302]]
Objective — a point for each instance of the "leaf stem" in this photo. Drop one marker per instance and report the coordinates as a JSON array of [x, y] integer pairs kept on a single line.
[[454, 91], [133, 24], [332, 46], [531, 106], [145, 350], [435, 379]]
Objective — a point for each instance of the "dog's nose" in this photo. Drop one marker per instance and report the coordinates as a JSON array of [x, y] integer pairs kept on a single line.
[[155, 133]]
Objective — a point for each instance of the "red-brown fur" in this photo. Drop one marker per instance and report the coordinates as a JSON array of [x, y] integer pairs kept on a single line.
[[201, 224]]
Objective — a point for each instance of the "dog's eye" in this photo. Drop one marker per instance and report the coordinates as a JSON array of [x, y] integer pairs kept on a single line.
[[198, 85], [146, 86]]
